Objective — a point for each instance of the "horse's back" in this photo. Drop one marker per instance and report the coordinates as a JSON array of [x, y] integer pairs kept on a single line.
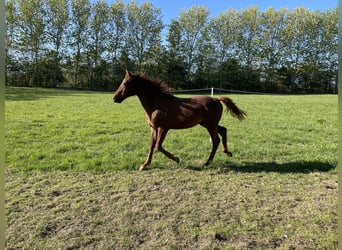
[[208, 103], [202, 110], [212, 108]]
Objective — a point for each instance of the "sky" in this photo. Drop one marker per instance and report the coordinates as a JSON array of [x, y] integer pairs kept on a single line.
[[171, 8]]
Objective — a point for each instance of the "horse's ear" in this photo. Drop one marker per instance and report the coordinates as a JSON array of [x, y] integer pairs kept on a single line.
[[128, 73]]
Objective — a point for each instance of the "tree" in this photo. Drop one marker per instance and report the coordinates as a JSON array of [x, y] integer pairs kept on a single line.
[[32, 35], [96, 44], [12, 35], [329, 44], [83, 43], [224, 32], [190, 32], [272, 24], [175, 68], [56, 31], [248, 43], [248, 38], [116, 38], [79, 35], [294, 40], [144, 26], [323, 38]]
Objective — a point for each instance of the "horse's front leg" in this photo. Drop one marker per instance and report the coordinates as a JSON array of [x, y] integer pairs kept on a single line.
[[160, 138], [154, 135]]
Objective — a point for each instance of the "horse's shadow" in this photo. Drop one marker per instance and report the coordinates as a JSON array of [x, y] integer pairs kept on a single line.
[[283, 168]]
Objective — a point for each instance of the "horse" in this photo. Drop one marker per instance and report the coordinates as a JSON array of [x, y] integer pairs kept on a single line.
[[165, 111]]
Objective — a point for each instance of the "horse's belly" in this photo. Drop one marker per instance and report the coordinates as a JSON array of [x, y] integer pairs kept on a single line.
[[185, 122]]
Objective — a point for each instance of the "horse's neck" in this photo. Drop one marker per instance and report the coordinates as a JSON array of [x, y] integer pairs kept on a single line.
[[148, 101]]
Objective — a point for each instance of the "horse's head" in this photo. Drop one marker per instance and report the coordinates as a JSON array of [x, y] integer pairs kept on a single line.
[[126, 88]]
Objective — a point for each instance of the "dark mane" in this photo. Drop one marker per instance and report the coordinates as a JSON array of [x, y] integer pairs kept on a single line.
[[156, 85]]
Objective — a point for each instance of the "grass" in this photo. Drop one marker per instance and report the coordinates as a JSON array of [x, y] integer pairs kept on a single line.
[[72, 181]]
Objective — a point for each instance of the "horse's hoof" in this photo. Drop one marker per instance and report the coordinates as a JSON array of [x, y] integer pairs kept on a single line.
[[227, 153], [207, 163], [177, 160], [142, 168]]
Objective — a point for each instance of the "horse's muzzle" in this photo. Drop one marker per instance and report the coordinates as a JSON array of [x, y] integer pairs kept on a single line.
[[117, 99]]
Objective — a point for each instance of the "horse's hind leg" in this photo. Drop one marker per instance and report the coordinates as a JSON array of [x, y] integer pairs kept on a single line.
[[215, 142], [161, 136], [223, 132]]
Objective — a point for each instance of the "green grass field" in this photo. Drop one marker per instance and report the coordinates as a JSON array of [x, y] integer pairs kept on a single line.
[[72, 177]]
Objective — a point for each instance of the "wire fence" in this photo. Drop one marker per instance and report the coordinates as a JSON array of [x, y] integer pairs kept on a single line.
[[212, 91]]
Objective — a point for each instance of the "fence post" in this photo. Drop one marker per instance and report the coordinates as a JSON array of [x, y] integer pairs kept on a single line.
[[212, 92]]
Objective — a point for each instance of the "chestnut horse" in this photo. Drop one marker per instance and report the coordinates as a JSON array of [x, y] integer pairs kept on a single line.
[[165, 111]]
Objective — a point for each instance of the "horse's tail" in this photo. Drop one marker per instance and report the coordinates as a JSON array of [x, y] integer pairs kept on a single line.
[[232, 108]]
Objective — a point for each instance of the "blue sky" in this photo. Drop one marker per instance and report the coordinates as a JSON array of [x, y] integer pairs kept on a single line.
[[171, 8]]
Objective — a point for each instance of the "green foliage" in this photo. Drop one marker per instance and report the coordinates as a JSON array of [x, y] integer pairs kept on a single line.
[[144, 27], [72, 177], [92, 43], [193, 28]]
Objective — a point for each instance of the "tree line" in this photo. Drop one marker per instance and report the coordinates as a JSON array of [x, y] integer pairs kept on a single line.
[[87, 44]]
